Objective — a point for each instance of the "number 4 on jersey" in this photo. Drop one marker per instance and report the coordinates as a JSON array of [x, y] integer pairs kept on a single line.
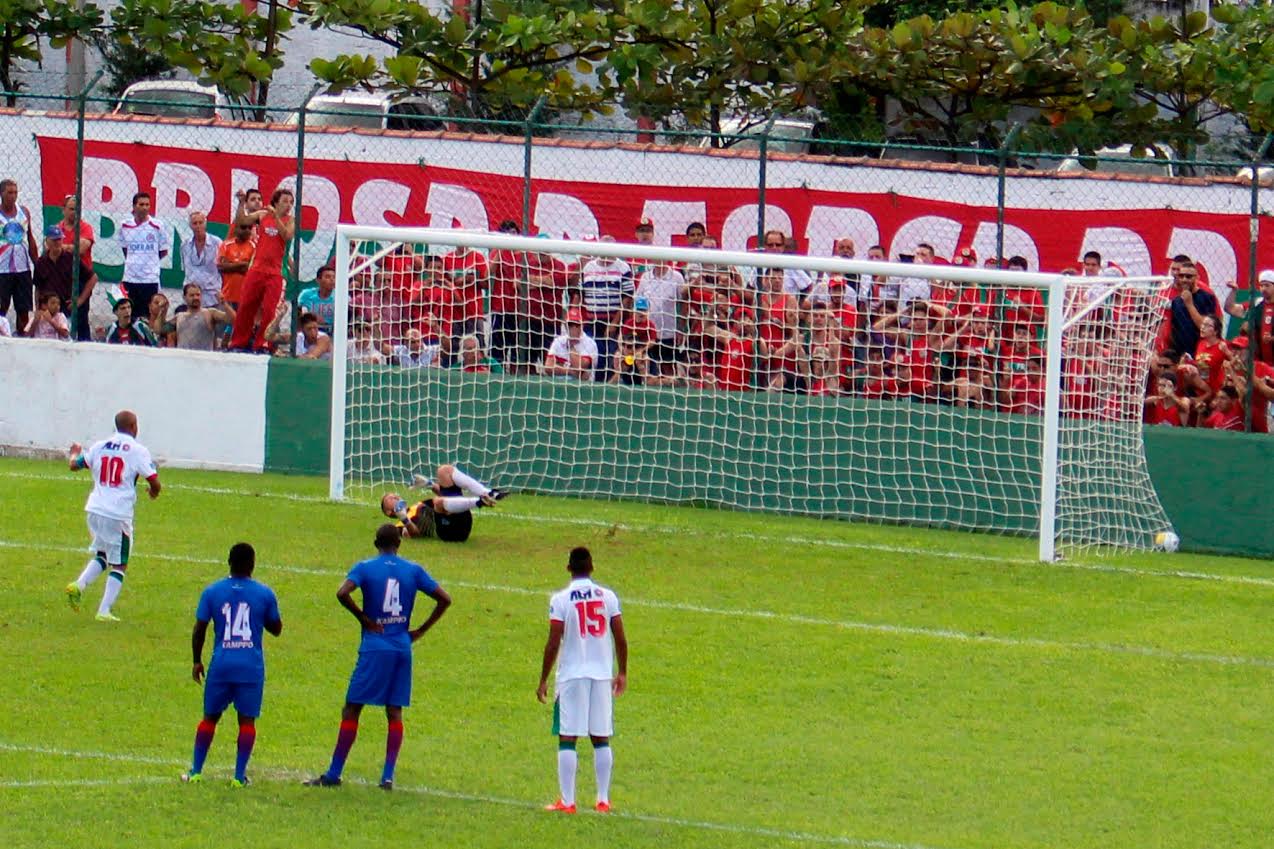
[[393, 606], [592, 617]]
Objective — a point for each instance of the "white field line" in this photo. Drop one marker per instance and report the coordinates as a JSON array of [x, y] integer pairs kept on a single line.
[[968, 637], [285, 774], [783, 539]]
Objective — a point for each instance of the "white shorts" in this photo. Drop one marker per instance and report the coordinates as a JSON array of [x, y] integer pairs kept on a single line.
[[584, 708], [113, 536]]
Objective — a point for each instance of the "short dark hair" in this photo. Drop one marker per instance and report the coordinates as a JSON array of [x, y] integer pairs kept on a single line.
[[278, 193], [328, 267], [1017, 262], [581, 561], [250, 192], [242, 559], [1092, 255], [1181, 258], [388, 537], [696, 225], [927, 246], [141, 195], [508, 225], [308, 318]]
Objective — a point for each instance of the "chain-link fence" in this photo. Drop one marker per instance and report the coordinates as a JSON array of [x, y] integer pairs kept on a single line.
[[377, 160]]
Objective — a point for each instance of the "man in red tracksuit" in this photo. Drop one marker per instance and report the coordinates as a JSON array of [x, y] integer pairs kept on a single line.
[[263, 284]]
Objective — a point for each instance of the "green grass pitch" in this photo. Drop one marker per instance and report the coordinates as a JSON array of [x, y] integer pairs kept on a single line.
[[792, 682]]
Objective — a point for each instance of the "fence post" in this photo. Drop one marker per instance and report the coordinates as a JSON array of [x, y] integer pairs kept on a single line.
[[294, 287], [82, 99], [531, 118], [1010, 141], [764, 145], [1253, 313]]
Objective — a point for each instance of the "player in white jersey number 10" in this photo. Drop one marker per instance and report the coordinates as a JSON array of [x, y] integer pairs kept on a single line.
[[116, 463], [586, 640]]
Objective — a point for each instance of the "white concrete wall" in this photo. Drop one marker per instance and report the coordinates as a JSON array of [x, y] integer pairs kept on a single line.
[[195, 410]]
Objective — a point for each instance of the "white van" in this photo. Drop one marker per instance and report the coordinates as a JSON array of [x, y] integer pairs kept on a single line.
[[180, 99], [370, 111]]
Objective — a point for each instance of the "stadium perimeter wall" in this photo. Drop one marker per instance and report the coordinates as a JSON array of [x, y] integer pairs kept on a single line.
[[195, 410], [254, 413], [1213, 507]]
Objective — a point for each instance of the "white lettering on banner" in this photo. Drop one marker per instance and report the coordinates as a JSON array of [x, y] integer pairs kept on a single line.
[[672, 217], [179, 190], [376, 197], [322, 196], [1213, 252], [740, 225], [109, 186], [1017, 242], [1119, 245], [455, 206], [829, 223], [564, 216], [937, 230]]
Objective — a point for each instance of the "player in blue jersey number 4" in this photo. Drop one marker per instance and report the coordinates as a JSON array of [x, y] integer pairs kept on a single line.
[[382, 676], [242, 609]]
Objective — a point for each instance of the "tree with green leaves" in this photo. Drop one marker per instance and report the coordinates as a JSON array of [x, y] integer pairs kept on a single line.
[[27, 23], [700, 61]]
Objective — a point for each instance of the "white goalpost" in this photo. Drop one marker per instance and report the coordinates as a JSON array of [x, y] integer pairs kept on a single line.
[[934, 395]]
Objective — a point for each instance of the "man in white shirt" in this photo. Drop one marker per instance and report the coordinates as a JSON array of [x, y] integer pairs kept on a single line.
[[199, 260], [661, 286], [143, 241], [115, 463], [574, 353], [18, 252], [586, 640]]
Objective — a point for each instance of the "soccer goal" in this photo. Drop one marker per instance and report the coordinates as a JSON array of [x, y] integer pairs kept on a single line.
[[933, 395]]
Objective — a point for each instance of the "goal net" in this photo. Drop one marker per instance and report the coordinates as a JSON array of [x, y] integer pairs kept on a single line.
[[933, 395]]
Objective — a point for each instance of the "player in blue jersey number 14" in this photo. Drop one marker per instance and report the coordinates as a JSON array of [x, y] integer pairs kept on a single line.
[[240, 609], [382, 676]]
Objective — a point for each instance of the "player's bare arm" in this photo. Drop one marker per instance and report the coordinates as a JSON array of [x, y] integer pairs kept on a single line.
[[620, 684], [551, 647], [344, 596], [275, 627], [197, 637], [75, 457], [153, 486], [442, 600]]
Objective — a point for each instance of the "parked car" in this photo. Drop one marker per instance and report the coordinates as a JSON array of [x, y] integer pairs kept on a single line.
[[788, 135], [370, 111], [1155, 160], [180, 99]]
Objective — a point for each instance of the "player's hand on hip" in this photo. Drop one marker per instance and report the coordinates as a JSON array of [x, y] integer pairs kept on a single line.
[[542, 692], [619, 684], [197, 673], [372, 625]]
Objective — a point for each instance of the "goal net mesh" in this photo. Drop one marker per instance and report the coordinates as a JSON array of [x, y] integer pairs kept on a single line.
[[545, 367]]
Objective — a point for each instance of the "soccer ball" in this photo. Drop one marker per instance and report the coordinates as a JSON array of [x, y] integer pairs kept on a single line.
[[1166, 541]]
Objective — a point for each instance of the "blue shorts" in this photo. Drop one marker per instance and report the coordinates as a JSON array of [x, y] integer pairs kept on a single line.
[[381, 678], [245, 696]]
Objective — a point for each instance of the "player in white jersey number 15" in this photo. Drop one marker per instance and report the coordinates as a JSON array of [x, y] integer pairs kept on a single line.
[[586, 640], [116, 463]]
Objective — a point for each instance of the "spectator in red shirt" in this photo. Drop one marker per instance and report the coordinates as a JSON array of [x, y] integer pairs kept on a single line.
[[466, 272], [508, 270], [70, 224], [547, 282], [1165, 407], [1226, 411], [263, 285], [1264, 305]]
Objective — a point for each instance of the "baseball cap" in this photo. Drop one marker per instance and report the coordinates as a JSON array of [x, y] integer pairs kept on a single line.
[[645, 224], [1237, 342], [53, 231], [836, 282], [965, 256], [575, 316], [1266, 276], [642, 304]]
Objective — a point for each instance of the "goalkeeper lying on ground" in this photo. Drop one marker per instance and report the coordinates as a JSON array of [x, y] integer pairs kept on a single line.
[[447, 515]]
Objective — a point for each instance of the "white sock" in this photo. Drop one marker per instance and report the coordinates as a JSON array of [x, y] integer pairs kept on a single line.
[[95, 567], [473, 485], [566, 763], [114, 583], [603, 760], [459, 504]]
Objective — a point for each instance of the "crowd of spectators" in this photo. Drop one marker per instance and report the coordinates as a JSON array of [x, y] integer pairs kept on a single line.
[[698, 324]]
